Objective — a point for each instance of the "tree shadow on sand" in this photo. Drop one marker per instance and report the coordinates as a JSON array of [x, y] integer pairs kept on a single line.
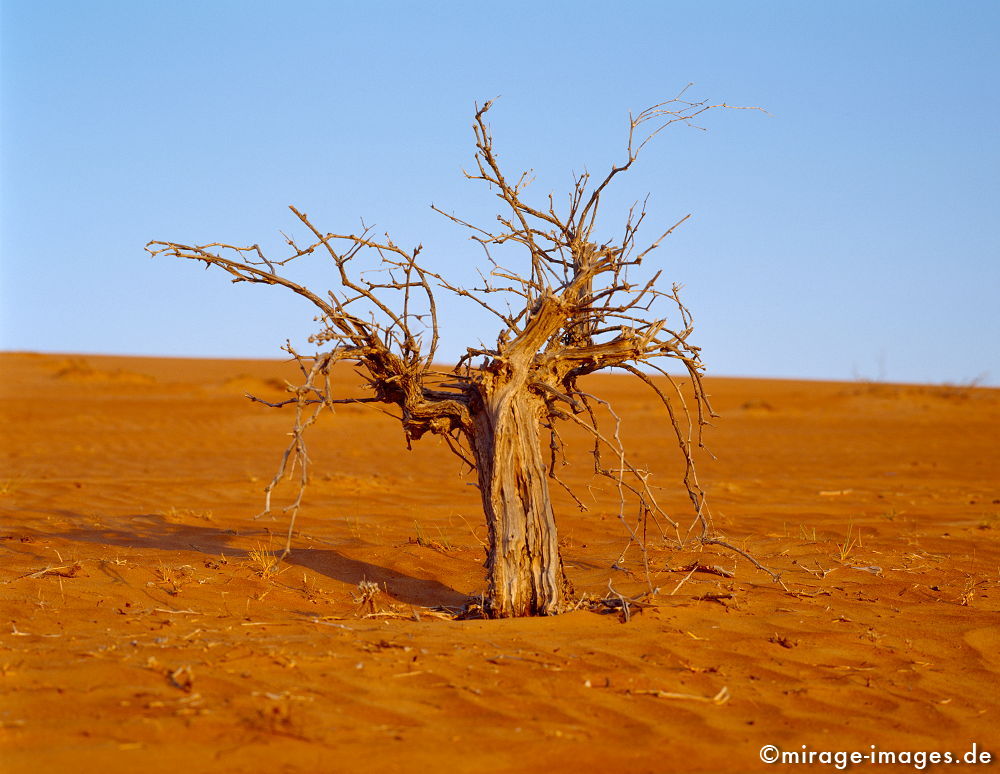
[[401, 587], [153, 531]]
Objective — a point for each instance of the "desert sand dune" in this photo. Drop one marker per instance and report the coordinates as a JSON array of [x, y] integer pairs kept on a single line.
[[144, 629]]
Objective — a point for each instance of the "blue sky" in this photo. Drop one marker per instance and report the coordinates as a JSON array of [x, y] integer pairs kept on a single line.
[[850, 232]]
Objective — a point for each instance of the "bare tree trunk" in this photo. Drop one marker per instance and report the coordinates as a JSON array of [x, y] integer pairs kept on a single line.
[[524, 569]]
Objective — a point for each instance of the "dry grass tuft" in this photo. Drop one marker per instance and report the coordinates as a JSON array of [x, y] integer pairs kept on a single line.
[[262, 560], [368, 592], [851, 542]]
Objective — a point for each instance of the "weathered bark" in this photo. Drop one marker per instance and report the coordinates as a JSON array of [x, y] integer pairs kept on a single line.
[[524, 569]]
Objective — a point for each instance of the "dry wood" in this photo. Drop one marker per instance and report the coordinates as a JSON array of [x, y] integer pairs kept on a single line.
[[719, 699], [579, 306]]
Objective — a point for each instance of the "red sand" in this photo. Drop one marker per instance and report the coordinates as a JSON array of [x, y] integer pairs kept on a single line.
[[140, 631]]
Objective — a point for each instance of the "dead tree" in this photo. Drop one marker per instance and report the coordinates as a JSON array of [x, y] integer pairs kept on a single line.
[[575, 306]]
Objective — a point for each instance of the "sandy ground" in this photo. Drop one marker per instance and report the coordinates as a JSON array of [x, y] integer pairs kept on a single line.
[[141, 628]]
